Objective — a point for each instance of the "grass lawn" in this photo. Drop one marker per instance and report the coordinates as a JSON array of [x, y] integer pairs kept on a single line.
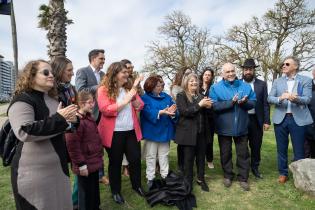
[[264, 194]]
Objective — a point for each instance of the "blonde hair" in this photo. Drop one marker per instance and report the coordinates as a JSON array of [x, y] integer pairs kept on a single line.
[[185, 85]]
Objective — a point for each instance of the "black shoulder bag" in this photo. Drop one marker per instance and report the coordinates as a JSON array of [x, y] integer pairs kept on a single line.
[[8, 143]]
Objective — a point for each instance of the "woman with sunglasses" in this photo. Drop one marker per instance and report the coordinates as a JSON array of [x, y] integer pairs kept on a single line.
[[39, 169], [119, 127]]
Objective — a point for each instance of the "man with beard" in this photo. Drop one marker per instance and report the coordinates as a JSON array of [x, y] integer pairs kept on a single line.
[[259, 117]]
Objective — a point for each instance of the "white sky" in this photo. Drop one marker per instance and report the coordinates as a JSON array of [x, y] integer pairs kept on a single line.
[[122, 28]]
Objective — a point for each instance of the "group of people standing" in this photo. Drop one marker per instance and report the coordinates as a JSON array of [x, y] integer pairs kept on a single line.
[[57, 122]]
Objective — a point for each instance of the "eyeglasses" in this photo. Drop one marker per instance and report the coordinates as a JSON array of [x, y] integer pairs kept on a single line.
[[46, 72], [285, 64]]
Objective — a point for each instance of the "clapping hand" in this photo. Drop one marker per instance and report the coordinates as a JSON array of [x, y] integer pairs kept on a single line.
[[69, 112], [235, 98], [243, 100], [293, 97], [205, 102], [172, 108], [137, 81], [166, 112]]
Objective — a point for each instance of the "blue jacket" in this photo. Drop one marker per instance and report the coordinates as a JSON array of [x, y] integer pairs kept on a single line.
[[160, 129], [231, 119]]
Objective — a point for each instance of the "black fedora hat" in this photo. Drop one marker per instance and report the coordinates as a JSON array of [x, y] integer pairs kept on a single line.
[[249, 63]]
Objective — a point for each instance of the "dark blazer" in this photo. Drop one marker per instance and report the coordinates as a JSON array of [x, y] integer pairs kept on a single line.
[[86, 80], [191, 120], [311, 105], [262, 108]]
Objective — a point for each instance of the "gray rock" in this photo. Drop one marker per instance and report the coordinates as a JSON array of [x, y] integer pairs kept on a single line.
[[304, 175]]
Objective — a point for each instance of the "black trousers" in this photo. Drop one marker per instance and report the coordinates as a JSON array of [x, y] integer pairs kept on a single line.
[[309, 143], [180, 158], [192, 154], [209, 147], [89, 192], [242, 160], [124, 142], [255, 136]]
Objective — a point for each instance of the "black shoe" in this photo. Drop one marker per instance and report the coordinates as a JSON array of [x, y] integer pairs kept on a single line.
[[257, 174], [244, 186], [227, 182], [150, 184], [140, 191], [203, 185], [118, 198]]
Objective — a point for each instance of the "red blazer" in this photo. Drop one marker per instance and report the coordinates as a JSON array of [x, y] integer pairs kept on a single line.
[[108, 109]]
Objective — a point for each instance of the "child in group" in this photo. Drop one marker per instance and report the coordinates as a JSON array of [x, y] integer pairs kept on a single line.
[[86, 153]]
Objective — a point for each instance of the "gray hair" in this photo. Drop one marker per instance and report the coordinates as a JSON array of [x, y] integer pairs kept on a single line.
[[295, 59], [227, 64]]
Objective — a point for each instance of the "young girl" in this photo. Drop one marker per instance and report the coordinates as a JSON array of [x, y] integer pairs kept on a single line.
[[85, 150]]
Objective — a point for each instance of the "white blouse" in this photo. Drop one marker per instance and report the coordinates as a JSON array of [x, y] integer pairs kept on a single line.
[[124, 121]]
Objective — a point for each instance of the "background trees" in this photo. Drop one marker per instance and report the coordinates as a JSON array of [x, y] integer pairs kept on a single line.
[[286, 29], [182, 45]]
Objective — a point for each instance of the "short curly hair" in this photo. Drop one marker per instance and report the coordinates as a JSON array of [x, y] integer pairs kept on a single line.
[[151, 82], [26, 79]]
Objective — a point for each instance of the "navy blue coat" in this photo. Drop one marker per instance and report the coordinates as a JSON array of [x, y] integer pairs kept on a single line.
[[160, 129]]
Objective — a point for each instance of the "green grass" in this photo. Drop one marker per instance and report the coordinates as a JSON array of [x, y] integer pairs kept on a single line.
[[264, 194]]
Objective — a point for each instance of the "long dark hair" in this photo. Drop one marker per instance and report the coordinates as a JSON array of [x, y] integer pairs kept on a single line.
[[201, 77], [58, 66]]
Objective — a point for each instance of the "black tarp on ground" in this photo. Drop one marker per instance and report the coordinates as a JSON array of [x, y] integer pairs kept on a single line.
[[174, 190]]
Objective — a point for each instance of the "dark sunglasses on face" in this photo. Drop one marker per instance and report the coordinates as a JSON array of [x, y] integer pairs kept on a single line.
[[285, 64], [45, 72]]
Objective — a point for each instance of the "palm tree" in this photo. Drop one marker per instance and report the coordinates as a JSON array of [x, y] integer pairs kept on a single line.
[[53, 19]]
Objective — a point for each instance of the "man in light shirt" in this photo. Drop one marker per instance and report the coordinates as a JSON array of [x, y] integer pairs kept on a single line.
[[88, 79], [291, 95], [259, 117]]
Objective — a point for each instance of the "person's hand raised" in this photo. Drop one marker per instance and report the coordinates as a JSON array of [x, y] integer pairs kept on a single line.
[[69, 112], [137, 81]]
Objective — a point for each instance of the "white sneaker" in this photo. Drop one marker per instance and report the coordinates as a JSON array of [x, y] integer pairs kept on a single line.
[[210, 165]]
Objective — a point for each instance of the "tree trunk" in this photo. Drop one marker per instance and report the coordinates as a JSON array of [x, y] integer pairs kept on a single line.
[[56, 35]]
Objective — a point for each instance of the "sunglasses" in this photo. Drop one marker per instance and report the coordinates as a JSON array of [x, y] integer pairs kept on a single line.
[[45, 72], [285, 64]]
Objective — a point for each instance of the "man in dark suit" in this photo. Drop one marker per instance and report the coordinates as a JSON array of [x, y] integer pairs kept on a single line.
[[259, 117], [309, 145], [88, 78]]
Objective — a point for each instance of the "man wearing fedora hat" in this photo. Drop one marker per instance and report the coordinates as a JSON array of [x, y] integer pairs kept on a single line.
[[259, 117]]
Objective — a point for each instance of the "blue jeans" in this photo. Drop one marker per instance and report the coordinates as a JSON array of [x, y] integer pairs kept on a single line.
[[297, 133]]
